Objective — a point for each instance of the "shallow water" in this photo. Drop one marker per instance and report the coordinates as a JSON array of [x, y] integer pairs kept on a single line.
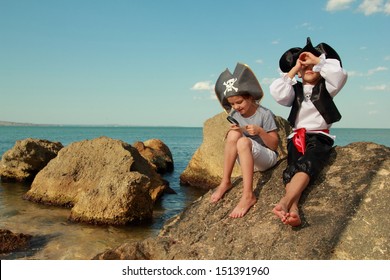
[[56, 238]]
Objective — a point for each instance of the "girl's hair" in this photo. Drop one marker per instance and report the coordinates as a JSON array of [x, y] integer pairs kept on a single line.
[[249, 96]]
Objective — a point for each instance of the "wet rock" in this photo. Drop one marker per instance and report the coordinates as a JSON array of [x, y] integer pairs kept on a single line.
[[10, 241], [105, 181], [26, 159]]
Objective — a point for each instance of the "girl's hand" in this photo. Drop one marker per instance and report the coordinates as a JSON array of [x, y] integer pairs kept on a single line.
[[252, 129], [234, 127]]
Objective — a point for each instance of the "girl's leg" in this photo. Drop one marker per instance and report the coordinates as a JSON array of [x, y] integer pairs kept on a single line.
[[230, 156], [248, 199]]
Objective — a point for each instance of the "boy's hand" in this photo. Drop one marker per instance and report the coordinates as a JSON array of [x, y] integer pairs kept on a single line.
[[307, 58]]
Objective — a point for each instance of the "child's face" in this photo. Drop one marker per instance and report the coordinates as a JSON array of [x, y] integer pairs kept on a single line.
[[308, 75], [241, 104]]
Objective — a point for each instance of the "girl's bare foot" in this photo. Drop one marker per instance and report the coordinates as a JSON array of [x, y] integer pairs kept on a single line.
[[243, 206], [220, 191]]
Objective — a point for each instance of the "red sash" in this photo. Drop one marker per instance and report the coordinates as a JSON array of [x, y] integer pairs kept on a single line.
[[299, 138]]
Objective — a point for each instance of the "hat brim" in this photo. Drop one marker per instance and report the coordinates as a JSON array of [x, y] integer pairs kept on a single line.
[[289, 58], [244, 82]]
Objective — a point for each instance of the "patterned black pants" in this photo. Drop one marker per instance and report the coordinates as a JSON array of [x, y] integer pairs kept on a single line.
[[318, 147]]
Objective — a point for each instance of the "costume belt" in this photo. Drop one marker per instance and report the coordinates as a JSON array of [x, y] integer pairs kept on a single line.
[[299, 138]]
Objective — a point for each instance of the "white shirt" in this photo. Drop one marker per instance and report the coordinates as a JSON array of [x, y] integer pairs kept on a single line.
[[308, 116]]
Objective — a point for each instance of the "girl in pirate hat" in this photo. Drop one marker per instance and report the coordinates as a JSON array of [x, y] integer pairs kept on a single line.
[[312, 114], [252, 140]]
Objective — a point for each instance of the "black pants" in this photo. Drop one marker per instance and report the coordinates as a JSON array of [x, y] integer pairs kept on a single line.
[[317, 154]]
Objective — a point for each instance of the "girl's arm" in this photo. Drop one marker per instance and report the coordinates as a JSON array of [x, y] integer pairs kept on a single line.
[[270, 139]]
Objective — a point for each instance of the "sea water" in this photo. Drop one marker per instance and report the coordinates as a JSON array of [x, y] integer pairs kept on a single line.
[[56, 238]]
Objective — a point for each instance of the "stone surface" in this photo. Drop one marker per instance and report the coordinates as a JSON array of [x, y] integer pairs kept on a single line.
[[205, 167], [157, 154], [26, 159], [10, 241], [105, 181], [345, 213]]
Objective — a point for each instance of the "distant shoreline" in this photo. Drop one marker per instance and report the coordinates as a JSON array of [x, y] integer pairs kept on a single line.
[[6, 123]]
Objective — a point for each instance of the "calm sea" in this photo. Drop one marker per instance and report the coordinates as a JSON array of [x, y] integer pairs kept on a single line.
[[56, 238]]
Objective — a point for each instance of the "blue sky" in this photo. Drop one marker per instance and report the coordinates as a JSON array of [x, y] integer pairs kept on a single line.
[[154, 63]]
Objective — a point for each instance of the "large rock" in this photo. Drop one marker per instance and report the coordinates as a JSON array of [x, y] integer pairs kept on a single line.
[[205, 167], [10, 241], [157, 154], [26, 159], [345, 212], [106, 181]]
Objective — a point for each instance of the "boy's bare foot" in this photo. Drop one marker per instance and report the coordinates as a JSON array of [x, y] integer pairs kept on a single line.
[[220, 191], [280, 211], [293, 219], [243, 206]]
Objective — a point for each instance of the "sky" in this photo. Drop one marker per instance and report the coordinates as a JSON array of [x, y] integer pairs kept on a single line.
[[155, 63]]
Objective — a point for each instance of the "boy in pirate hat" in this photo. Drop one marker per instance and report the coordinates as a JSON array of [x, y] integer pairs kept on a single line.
[[252, 141], [312, 114]]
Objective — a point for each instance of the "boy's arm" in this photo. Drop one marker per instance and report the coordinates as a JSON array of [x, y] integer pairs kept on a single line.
[[334, 75], [282, 90]]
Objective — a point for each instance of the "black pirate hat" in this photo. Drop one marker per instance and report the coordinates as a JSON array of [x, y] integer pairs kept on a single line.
[[289, 58], [242, 81]]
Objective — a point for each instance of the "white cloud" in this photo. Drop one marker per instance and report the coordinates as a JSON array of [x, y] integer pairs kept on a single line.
[[337, 5], [382, 87], [203, 86], [369, 7], [386, 9], [259, 61], [378, 69], [370, 72], [355, 74], [267, 81]]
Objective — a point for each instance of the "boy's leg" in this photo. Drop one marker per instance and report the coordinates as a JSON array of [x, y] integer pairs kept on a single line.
[[312, 162], [230, 156], [287, 208], [248, 198]]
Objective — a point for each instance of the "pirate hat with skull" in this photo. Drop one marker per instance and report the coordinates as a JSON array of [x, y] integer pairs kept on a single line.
[[289, 58], [242, 81]]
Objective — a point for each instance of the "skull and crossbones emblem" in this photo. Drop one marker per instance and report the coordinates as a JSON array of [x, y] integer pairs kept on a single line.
[[229, 85]]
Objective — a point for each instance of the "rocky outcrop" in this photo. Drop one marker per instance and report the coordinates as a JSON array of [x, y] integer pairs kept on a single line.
[[10, 241], [206, 166], [345, 213], [157, 154], [26, 159], [105, 181]]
